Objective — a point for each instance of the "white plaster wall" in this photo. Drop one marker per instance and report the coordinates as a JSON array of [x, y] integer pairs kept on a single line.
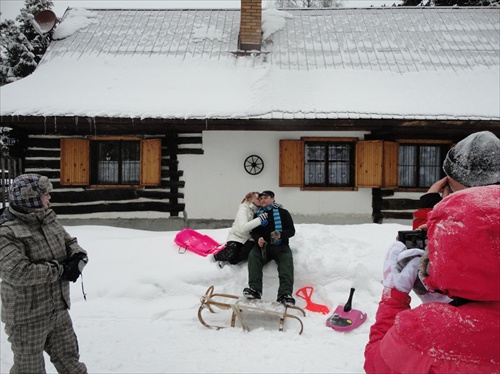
[[216, 182]]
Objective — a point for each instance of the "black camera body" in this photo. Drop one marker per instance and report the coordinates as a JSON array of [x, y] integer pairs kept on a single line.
[[413, 238]]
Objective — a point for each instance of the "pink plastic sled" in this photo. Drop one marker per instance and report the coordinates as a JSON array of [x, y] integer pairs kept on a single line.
[[344, 318], [193, 241]]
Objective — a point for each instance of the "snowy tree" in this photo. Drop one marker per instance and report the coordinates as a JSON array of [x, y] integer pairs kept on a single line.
[[450, 3], [18, 59], [31, 9], [13, 142], [307, 3], [21, 47]]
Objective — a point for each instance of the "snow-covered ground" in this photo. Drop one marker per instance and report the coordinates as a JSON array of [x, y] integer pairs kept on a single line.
[[143, 296]]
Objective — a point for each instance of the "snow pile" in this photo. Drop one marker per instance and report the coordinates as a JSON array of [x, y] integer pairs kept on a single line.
[[212, 33], [207, 81], [272, 21], [179, 88], [143, 298], [77, 19]]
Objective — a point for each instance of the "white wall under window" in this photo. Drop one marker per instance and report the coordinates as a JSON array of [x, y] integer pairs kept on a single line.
[[216, 181]]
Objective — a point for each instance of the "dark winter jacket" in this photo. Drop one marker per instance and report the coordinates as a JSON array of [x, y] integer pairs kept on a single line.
[[427, 202], [464, 263], [31, 287], [288, 229]]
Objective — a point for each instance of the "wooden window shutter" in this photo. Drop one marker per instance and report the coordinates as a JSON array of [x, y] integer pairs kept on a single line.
[[376, 164], [369, 160], [291, 173], [151, 162], [75, 162], [391, 155]]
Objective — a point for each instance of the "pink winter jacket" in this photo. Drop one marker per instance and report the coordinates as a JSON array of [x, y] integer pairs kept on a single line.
[[464, 262]]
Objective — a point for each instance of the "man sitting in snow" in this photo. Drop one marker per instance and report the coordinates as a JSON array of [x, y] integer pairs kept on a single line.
[[272, 244]]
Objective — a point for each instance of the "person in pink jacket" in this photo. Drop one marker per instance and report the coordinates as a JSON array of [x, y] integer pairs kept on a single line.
[[461, 261]]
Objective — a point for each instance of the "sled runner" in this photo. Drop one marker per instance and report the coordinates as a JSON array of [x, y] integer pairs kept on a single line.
[[240, 306], [193, 241]]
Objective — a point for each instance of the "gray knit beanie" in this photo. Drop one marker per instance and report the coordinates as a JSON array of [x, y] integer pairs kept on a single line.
[[475, 160], [27, 189]]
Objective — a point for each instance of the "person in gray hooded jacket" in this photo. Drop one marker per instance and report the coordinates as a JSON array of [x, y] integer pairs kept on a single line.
[[38, 259]]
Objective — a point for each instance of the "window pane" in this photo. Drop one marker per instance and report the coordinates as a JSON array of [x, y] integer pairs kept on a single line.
[[107, 157], [315, 173], [430, 165], [338, 168], [328, 164], [116, 162], [314, 164], [407, 170], [419, 165], [131, 163]]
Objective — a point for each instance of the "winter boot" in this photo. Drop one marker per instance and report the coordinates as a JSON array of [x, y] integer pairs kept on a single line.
[[250, 293], [286, 300]]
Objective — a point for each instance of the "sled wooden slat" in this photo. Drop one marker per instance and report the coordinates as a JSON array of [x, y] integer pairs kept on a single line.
[[238, 305]]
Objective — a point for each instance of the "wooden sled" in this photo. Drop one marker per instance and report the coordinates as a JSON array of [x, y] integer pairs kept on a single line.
[[238, 305]]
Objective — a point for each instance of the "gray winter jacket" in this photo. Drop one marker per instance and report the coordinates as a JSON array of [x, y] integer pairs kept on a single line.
[[31, 287]]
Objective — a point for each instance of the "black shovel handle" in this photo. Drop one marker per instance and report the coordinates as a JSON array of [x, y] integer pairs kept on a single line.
[[348, 305]]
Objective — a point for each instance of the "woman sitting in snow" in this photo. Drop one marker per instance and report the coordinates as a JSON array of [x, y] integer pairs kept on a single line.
[[461, 261], [239, 243]]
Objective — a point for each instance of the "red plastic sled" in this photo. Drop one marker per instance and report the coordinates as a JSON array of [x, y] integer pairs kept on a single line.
[[193, 241]]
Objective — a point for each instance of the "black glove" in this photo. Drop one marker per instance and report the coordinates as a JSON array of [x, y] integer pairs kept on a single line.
[[73, 266]]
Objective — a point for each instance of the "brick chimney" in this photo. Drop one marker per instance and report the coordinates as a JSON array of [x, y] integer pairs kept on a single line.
[[250, 25]]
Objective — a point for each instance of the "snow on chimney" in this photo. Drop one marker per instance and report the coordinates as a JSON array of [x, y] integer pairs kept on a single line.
[[250, 25]]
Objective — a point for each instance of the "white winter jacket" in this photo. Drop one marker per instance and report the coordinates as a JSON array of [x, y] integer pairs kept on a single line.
[[243, 223]]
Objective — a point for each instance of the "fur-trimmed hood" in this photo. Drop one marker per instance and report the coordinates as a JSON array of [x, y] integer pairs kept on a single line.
[[464, 244]]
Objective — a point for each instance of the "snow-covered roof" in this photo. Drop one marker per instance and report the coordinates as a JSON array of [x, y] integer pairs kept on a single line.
[[396, 62]]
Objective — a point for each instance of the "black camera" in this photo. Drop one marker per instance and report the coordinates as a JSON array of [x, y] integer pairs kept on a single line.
[[413, 238]]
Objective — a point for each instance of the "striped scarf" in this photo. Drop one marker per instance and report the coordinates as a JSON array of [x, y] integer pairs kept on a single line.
[[276, 216]]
